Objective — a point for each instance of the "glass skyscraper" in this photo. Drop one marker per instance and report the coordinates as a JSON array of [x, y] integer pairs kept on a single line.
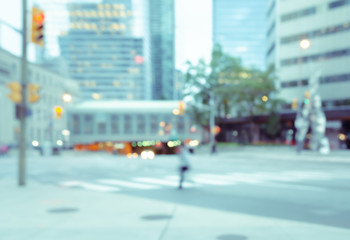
[[162, 41], [239, 27], [102, 53]]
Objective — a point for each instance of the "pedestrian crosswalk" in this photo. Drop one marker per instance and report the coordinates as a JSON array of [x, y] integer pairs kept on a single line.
[[198, 180]]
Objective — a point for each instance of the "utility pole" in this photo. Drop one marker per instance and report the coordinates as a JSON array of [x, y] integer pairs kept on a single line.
[[212, 122], [22, 117]]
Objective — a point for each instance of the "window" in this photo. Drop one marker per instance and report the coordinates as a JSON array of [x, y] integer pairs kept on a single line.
[[316, 57], [101, 128], [76, 124], [127, 124], [88, 124], [141, 127], [339, 3], [317, 33], [154, 123], [272, 7], [298, 14], [180, 125]]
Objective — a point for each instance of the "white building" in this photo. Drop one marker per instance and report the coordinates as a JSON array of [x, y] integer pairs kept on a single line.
[[102, 121], [326, 25], [42, 124]]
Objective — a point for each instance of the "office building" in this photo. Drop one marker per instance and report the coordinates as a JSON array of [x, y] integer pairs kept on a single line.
[[306, 38], [42, 124], [162, 45], [102, 54], [240, 28], [325, 28]]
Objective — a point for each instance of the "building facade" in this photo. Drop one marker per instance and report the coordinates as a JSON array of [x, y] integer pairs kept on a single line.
[[162, 45], [42, 125], [102, 54], [306, 37], [111, 121], [239, 27]]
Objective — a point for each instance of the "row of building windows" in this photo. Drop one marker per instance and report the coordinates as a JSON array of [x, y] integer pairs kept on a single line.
[[298, 14], [317, 33], [316, 57], [323, 80], [103, 65], [338, 3], [123, 124], [271, 28], [271, 49], [271, 8], [94, 26], [98, 6], [129, 70], [107, 84], [96, 58], [100, 14], [327, 103], [312, 10]]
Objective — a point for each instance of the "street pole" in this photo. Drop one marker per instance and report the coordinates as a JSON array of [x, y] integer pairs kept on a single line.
[[22, 139], [212, 122]]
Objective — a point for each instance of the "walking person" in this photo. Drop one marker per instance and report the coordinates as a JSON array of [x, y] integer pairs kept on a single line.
[[184, 165]]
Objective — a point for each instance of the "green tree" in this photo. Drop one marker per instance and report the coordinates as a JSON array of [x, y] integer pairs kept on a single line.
[[238, 91]]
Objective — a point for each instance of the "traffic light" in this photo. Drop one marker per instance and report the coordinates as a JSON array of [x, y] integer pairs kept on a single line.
[[182, 106], [294, 103], [16, 95], [33, 93], [307, 98], [58, 111], [38, 26]]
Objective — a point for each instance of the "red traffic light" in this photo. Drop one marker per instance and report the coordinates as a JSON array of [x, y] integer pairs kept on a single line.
[[39, 18]]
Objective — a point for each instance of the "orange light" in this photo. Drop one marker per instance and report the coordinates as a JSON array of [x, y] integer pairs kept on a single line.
[[58, 111], [37, 32], [182, 106], [38, 18]]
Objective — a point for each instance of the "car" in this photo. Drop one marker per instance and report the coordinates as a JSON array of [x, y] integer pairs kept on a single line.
[[147, 154]]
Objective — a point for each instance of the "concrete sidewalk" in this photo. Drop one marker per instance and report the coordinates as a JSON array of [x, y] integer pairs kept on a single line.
[[44, 212], [277, 153]]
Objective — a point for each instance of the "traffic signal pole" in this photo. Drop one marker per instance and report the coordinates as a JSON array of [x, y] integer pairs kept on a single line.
[[22, 117]]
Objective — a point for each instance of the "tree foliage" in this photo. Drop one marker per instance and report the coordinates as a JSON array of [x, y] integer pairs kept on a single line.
[[237, 90]]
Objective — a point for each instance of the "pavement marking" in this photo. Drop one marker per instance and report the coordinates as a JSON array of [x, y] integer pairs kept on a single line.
[[292, 186], [127, 184], [230, 178], [89, 186], [210, 181], [163, 182]]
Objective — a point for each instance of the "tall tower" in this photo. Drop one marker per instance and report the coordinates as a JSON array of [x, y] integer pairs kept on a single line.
[[102, 53], [239, 27], [162, 38]]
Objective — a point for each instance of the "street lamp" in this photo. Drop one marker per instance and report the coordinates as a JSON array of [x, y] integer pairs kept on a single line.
[[304, 44], [67, 97]]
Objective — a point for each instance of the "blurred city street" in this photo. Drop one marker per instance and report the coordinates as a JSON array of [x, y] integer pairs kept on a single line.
[[239, 193]]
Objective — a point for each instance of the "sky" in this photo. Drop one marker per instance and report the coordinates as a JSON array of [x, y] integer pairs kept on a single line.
[[193, 29]]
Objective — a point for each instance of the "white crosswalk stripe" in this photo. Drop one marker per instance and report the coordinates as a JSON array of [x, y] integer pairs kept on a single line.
[[162, 182], [127, 184], [270, 179], [89, 186]]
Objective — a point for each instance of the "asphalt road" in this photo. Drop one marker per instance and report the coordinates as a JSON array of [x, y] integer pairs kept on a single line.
[[273, 184]]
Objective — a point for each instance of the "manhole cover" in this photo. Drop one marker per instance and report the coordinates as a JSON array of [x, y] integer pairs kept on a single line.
[[231, 237], [63, 210], [156, 217]]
